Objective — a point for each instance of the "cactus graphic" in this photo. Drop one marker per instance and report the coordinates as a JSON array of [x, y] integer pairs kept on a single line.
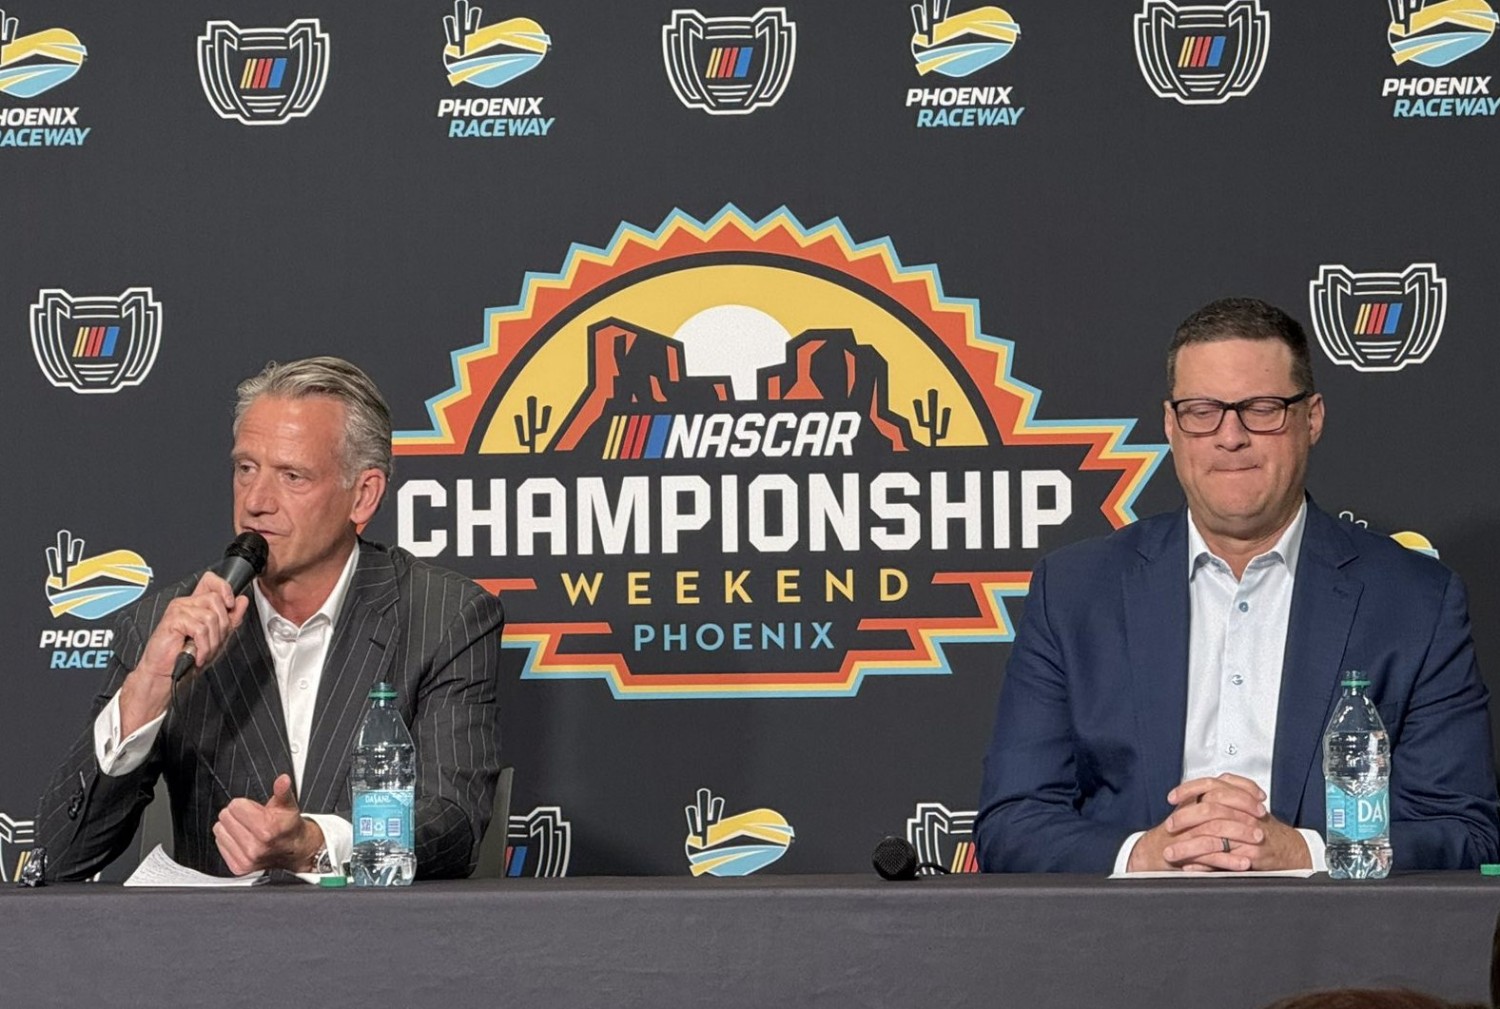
[[935, 422], [530, 427]]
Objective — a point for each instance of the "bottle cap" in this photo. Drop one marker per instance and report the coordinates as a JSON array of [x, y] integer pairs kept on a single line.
[[1489, 869], [338, 880], [382, 692]]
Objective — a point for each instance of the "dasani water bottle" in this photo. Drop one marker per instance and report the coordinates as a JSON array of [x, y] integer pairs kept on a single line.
[[382, 786], [1357, 775]]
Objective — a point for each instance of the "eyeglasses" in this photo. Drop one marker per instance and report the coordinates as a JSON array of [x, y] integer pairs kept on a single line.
[[1258, 414]]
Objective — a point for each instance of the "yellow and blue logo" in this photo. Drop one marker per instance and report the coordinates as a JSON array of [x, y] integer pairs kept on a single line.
[[957, 45], [490, 55], [1435, 34], [1412, 540], [734, 845], [1408, 538], [32, 64], [92, 587]]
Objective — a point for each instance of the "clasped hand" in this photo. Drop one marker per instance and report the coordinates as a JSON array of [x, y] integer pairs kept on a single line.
[[1219, 823]]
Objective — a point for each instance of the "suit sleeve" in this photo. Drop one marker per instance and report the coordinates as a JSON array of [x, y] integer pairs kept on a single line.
[[1443, 801], [456, 731], [86, 818], [1029, 818]]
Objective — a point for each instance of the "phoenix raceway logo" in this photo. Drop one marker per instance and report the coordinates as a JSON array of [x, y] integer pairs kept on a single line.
[[1378, 321], [749, 458], [87, 588], [96, 344], [1431, 34], [943, 837], [957, 45], [263, 76], [735, 845], [31, 65], [1204, 54], [17, 838], [540, 843], [729, 66], [1408, 538], [488, 56]]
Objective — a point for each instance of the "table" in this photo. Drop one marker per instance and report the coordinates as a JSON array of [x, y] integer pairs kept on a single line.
[[767, 941]]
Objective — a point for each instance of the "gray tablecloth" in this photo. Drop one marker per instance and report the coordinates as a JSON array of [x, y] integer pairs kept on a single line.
[[767, 942]]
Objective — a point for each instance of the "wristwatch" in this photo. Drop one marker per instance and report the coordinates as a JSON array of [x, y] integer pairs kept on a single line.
[[322, 862]]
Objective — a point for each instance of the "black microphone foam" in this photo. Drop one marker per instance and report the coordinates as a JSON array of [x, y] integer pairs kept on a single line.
[[895, 858], [243, 560]]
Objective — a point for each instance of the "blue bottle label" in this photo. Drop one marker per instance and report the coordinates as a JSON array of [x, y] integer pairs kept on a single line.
[[1357, 817], [383, 814]]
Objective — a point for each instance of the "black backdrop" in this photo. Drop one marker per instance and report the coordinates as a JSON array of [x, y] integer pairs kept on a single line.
[[1082, 234]]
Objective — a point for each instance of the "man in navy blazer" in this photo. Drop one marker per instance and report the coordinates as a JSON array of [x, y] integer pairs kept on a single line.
[[1166, 695]]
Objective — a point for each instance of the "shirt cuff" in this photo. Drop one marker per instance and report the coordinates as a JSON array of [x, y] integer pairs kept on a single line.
[[1123, 858], [118, 757], [1316, 848], [338, 837]]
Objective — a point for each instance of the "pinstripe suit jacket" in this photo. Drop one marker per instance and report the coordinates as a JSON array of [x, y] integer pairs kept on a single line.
[[432, 633]]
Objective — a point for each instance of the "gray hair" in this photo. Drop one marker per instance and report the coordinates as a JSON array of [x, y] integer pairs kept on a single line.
[[367, 418]]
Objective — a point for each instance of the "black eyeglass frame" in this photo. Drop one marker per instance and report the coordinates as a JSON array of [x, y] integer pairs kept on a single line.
[[1287, 402]]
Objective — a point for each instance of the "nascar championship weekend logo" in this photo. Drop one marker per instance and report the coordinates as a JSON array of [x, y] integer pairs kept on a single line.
[[263, 76], [31, 65], [749, 458], [16, 840], [729, 66], [943, 837], [1203, 54], [96, 344], [1378, 321]]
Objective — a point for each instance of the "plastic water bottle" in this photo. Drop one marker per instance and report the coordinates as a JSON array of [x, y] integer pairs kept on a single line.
[[382, 787], [1357, 775]]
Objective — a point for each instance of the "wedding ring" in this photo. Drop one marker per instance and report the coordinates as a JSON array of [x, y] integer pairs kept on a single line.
[[1225, 842]]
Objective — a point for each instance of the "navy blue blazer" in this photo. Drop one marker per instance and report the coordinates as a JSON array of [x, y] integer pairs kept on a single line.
[[1089, 732]]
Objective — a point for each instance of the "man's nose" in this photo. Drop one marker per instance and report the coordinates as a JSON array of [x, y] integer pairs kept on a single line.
[[1231, 432]]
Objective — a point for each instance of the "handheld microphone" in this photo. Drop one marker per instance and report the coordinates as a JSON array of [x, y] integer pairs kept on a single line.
[[243, 560], [894, 858]]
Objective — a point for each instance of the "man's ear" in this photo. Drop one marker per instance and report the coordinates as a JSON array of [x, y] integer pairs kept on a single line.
[[369, 489]]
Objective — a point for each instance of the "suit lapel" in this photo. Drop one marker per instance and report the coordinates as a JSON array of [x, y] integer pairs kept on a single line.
[[1324, 602], [243, 683], [1156, 632], [363, 652]]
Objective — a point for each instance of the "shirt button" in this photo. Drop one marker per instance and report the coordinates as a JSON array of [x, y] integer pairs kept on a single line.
[[1231, 749], [1244, 607], [1236, 679], [302, 684], [296, 747]]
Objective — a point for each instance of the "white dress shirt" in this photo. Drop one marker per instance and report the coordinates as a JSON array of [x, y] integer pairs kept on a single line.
[[298, 655], [1236, 646]]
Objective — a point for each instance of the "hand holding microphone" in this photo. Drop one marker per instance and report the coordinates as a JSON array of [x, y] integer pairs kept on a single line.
[[191, 631], [243, 560]]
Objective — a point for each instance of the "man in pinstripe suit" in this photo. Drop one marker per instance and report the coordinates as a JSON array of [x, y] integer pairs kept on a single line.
[[255, 744]]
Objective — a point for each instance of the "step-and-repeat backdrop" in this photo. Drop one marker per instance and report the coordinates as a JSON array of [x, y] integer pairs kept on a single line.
[[754, 354]]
